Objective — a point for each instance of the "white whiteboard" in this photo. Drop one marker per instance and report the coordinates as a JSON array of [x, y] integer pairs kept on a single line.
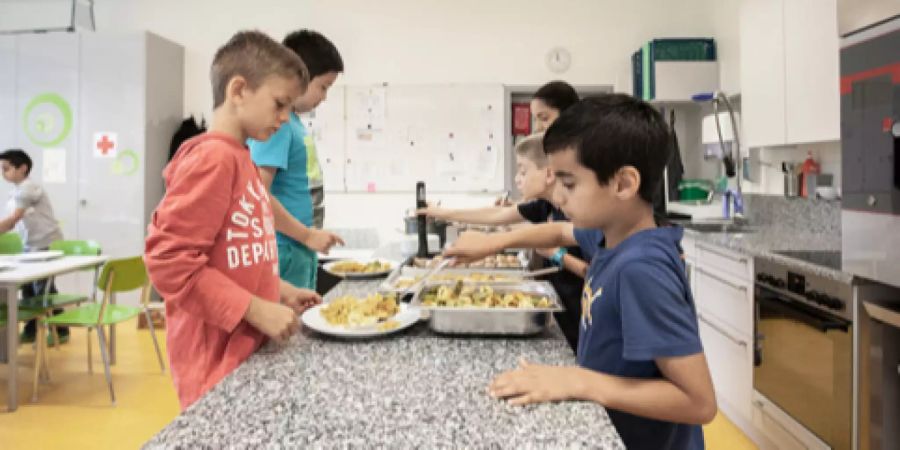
[[386, 138], [326, 125]]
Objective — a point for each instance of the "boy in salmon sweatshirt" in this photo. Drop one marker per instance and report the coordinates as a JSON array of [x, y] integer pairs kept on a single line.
[[211, 249]]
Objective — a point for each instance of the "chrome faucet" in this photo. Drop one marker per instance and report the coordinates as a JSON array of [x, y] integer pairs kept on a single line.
[[733, 162]]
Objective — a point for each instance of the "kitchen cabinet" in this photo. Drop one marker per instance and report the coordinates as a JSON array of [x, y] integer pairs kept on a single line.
[[722, 283], [789, 72], [730, 357]]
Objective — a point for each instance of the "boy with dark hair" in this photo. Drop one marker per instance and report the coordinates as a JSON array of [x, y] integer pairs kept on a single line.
[[211, 249], [31, 215], [639, 351], [289, 167]]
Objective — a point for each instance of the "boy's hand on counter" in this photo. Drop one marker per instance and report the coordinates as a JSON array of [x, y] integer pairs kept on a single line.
[[275, 320], [473, 246], [299, 299], [321, 241], [536, 383]]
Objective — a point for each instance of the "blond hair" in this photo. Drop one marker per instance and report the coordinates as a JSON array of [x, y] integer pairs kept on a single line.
[[532, 148], [255, 57]]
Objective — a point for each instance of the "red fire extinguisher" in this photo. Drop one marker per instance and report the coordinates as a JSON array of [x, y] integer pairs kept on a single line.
[[521, 117]]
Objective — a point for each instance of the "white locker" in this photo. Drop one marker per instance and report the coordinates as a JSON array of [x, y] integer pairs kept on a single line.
[[7, 96], [46, 105], [66, 89]]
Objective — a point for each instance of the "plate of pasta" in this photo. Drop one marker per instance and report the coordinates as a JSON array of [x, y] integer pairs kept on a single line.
[[351, 269], [354, 317]]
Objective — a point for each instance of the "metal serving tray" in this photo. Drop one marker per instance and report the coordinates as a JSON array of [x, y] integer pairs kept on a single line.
[[522, 264], [492, 321]]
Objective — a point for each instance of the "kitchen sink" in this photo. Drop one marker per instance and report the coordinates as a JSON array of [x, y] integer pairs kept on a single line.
[[724, 227]]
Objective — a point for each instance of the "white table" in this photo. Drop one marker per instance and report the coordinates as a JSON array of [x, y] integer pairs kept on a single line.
[[11, 280]]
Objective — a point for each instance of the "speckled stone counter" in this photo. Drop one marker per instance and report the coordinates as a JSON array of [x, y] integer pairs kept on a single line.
[[764, 241], [411, 390]]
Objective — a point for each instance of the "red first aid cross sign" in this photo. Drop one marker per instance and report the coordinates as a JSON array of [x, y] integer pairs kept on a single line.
[[106, 145]]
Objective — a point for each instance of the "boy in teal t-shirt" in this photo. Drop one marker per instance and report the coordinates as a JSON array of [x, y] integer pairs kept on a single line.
[[289, 166]]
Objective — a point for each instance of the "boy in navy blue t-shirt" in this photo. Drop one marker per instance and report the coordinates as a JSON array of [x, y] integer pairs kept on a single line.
[[639, 352]]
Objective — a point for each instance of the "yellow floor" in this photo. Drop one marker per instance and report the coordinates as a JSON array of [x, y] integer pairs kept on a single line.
[[74, 411]]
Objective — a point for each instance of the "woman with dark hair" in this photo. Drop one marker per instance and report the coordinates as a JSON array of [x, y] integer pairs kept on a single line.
[[549, 101]]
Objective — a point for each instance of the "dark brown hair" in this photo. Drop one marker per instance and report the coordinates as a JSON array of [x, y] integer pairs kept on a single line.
[[254, 56]]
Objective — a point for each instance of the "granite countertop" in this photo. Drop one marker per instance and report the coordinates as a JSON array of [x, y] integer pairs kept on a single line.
[[763, 242], [413, 389]]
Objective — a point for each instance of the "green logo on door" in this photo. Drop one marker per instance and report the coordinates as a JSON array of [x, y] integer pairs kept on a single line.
[[47, 119], [121, 167]]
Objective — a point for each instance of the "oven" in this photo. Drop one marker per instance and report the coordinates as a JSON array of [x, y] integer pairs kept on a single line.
[[803, 355]]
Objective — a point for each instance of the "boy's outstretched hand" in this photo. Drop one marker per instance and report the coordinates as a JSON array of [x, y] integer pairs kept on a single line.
[[275, 320], [536, 383], [473, 246], [299, 299], [321, 241]]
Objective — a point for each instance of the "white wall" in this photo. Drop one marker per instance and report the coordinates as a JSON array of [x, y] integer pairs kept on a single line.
[[409, 41], [827, 154], [415, 41], [429, 41], [854, 14]]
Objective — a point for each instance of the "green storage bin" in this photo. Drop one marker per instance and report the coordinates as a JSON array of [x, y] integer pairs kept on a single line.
[[689, 190]]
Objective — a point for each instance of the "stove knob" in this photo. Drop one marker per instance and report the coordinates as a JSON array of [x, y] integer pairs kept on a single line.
[[778, 282], [762, 277], [813, 296]]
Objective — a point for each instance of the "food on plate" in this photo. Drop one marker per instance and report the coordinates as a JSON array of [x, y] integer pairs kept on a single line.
[[388, 325], [349, 311], [356, 267], [461, 295], [474, 277]]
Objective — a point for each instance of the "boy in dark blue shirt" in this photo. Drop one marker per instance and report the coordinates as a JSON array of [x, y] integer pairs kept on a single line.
[[639, 352]]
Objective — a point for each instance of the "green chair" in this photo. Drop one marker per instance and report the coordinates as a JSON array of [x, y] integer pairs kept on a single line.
[[47, 302], [40, 345], [11, 244], [118, 275]]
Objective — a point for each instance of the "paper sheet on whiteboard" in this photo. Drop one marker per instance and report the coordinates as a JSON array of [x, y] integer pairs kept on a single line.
[[54, 170]]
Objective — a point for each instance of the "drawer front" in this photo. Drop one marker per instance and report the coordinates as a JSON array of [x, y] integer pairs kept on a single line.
[[730, 364], [725, 298], [724, 260], [689, 246]]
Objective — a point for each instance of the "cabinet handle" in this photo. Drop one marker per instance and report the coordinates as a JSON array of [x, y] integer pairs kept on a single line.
[[722, 331], [721, 280], [741, 260]]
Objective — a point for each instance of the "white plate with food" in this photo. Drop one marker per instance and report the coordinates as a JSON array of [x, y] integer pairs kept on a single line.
[[46, 255], [353, 269], [351, 317]]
